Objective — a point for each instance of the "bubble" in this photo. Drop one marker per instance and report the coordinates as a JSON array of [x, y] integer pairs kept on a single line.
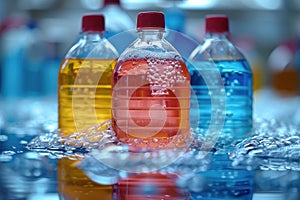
[[273, 145], [23, 142], [177, 57], [269, 140], [5, 158], [3, 138], [236, 82], [8, 153]]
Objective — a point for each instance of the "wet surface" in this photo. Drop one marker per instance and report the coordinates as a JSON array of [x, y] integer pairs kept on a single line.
[[263, 166]]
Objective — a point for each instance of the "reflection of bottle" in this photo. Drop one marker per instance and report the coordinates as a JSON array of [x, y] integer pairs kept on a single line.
[[151, 88], [74, 184], [217, 51], [84, 100], [85, 78], [222, 181], [150, 186]]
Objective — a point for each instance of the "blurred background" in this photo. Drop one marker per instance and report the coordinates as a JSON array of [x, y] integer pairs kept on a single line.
[[35, 35]]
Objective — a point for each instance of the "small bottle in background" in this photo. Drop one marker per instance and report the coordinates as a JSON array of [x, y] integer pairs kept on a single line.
[[15, 39], [284, 67], [175, 29], [116, 18], [218, 52], [151, 89], [120, 27], [34, 56]]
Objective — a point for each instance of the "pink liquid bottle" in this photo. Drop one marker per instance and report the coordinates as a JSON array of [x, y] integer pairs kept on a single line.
[[151, 90]]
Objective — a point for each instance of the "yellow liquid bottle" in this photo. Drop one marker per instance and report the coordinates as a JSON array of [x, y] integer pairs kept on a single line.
[[84, 93], [84, 99]]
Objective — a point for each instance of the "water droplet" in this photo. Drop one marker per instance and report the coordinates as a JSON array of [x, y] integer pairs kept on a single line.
[[8, 153], [32, 155], [5, 158], [24, 142], [37, 173], [3, 138]]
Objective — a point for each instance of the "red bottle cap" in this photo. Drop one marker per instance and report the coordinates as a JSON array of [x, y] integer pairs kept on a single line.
[[93, 23], [216, 24], [150, 20], [108, 2]]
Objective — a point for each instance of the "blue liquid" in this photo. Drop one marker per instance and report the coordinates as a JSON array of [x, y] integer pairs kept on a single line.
[[237, 80]]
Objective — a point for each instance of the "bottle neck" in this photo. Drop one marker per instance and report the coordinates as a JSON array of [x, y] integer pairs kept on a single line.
[[150, 35], [92, 35], [220, 36], [218, 46]]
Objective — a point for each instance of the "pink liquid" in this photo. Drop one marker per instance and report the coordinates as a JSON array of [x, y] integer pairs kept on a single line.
[[150, 102], [150, 186]]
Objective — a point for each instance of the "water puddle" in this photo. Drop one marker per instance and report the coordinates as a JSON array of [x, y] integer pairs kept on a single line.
[[273, 145]]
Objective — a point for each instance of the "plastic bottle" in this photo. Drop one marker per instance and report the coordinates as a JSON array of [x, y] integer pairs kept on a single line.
[[118, 23], [84, 99], [150, 89], [34, 56], [15, 40], [117, 19], [217, 51], [85, 78], [284, 69]]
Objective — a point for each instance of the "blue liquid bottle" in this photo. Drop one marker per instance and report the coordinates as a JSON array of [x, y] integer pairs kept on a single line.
[[221, 80], [219, 53]]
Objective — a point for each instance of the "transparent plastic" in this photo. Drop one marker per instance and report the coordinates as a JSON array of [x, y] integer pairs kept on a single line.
[[85, 83], [117, 19], [84, 99], [150, 93], [217, 51]]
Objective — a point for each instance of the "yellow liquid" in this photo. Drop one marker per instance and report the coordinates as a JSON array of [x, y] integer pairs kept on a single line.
[[84, 100], [286, 82], [84, 93], [257, 78], [74, 184]]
